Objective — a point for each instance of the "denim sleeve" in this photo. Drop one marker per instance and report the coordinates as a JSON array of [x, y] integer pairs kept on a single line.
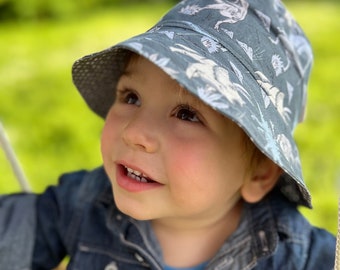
[[321, 251], [58, 221], [17, 231]]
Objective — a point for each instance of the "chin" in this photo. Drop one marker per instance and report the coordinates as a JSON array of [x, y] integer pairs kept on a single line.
[[135, 212]]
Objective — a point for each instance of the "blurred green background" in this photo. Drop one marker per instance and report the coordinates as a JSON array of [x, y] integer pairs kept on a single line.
[[51, 129]]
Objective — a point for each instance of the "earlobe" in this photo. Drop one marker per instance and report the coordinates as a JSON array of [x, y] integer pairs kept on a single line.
[[261, 181]]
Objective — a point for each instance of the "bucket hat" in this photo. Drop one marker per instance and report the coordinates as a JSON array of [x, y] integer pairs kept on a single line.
[[248, 60]]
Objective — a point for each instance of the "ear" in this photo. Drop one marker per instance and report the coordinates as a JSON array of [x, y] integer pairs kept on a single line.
[[262, 179]]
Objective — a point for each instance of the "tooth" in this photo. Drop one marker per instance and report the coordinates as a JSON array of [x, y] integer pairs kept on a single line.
[[143, 180], [133, 171], [137, 173]]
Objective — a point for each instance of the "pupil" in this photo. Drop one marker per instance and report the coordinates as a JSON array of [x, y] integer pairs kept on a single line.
[[185, 114]]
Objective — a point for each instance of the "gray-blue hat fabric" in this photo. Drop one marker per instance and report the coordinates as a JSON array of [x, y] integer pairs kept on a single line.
[[247, 59]]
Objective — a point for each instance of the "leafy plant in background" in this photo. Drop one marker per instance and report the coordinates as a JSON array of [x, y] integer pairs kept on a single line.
[[52, 9]]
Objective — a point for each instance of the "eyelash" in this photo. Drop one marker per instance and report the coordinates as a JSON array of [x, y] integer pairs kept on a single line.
[[129, 97], [191, 112], [126, 96]]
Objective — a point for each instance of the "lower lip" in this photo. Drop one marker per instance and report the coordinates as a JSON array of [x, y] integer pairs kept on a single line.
[[132, 185]]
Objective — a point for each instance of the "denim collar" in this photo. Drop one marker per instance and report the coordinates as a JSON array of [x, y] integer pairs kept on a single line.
[[255, 237]]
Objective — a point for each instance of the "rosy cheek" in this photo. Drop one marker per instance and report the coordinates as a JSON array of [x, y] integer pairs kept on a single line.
[[107, 139]]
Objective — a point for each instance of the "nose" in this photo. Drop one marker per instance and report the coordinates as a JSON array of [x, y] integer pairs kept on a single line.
[[141, 131]]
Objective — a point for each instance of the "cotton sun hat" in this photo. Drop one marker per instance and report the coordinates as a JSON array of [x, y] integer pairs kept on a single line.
[[249, 60]]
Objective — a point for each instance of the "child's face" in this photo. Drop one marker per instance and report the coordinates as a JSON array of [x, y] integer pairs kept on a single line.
[[168, 155]]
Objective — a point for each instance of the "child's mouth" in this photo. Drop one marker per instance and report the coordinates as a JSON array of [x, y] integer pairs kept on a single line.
[[133, 180], [136, 175]]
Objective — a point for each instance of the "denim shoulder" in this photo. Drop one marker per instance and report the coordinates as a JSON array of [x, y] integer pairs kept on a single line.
[[60, 212], [300, 245], [322, 250], [17, 227]]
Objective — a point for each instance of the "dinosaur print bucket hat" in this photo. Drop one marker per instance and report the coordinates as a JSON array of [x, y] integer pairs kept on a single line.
[[247, 59]]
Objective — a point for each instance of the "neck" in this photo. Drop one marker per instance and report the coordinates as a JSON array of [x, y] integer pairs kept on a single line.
[[189, 243]]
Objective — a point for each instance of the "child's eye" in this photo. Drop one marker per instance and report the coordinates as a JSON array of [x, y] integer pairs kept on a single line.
[[186, 113], [128, 97]]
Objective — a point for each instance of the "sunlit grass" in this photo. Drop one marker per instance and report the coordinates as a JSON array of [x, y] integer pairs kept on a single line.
[[53, 132], [318, 137]]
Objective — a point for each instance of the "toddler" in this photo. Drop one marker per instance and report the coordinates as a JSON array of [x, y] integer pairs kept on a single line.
[[200, 168]]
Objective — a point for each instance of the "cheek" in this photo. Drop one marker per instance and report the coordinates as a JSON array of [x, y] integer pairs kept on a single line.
[[204, 169], [109, 137], [194, 159], [105, 140], [190, 168]]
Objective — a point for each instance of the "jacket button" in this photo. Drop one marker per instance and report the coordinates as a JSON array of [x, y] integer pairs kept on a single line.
[[111, 266], [139, 258]]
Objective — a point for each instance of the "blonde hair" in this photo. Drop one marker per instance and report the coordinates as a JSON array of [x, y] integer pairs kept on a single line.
[[253, 155]]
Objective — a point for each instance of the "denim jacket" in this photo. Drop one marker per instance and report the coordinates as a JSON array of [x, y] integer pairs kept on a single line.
[[79, 218]]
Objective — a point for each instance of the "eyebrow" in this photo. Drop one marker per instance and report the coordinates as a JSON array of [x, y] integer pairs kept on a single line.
[[125, 73]]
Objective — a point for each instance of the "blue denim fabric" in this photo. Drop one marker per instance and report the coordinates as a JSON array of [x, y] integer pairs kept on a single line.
[[17, 223], [79, 218]]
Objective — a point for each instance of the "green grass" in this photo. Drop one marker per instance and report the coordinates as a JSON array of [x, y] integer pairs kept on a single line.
[[52, 130], [318, 137]]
